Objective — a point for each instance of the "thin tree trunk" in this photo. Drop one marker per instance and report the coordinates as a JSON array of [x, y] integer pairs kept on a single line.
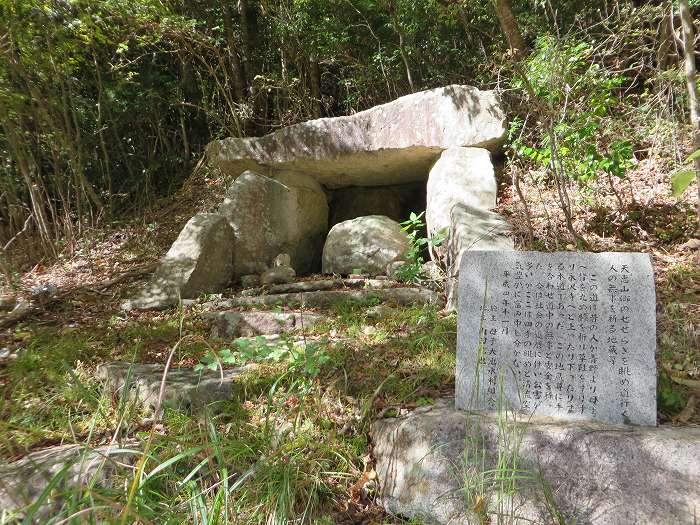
[[665, 52], [244, 14], [692, 83], [404, 58], [239, 84], [315, 74], [25, 165], [510, 28]]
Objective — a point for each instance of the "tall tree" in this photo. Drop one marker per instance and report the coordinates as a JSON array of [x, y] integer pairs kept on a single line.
[[692, 83]]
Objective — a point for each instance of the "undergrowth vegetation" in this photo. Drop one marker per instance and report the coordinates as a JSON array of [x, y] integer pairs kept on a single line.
[[287, 448], [107, 106]]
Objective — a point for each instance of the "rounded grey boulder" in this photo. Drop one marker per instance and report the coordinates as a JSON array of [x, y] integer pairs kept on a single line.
[[367, 244]]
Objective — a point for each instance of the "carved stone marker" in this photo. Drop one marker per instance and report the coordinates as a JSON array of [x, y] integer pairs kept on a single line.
[[567, 335]]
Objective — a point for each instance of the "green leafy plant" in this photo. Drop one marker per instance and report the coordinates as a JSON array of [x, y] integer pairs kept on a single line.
[[414, 226], [307, 358], [684, 176], [582, 97]]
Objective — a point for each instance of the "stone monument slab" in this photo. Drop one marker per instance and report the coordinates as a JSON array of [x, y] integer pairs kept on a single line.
[[567, 335]]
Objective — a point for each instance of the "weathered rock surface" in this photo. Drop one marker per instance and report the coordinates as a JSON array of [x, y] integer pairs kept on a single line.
[[596, 474], [389, 144], [288, 214], [184, 388], [366, 243], [278, 275], [460, 176], [471, 229], [230, 325], [199, 261], [250, 281], [283, 259], [325, 298], [396, 202], [323, 284], [461, 190], [23, 482]]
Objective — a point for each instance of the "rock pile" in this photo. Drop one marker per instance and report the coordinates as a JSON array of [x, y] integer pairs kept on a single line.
[[356, 174]]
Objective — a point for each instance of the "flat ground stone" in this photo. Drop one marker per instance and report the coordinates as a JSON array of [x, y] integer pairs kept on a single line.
[[569, 335], [184, 388], [389, 144], [22, 482], [229, 325], [323, 284], [322, 299], [592, 474]]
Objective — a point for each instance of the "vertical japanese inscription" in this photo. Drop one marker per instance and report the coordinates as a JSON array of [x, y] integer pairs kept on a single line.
[[568, 335]]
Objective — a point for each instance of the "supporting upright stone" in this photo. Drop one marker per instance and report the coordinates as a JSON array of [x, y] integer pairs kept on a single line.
[[199, 261], [287, 214], [460, 176], [460, 192], [471, 229]]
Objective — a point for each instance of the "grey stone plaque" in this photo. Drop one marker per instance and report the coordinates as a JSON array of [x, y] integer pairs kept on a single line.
[[567, 335]]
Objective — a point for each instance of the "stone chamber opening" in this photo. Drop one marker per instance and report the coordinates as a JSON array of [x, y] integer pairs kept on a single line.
[[395, 201]]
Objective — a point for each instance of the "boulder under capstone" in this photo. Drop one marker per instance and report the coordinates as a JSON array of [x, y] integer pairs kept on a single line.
[[368, 244]]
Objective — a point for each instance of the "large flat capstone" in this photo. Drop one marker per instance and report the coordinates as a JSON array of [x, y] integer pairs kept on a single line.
[[568, 335], [389, 144], [440, 465]]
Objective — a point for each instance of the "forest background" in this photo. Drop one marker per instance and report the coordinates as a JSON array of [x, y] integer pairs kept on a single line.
[[107, 106]]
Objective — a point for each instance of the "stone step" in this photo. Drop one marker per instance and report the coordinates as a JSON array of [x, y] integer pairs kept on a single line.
[[322, 284], [232, 324], [326, 298], [590, 473], [185, 388], [22, 482]]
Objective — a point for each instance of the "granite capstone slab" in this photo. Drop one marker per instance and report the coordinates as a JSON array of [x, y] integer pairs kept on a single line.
[[567, 335]]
